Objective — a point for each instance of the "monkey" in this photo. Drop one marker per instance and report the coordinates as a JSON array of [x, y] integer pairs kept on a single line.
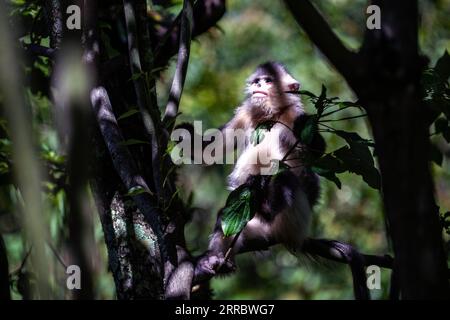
[[285, 200]]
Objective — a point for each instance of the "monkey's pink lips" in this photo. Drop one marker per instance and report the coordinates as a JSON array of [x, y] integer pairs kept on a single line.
[[258, 93]]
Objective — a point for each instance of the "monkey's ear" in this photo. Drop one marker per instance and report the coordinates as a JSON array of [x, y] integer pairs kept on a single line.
[[294, 86]]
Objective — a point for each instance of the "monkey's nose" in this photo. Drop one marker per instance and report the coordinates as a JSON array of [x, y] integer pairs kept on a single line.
[[294, 86]]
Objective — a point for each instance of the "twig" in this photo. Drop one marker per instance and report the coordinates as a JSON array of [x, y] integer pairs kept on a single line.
[[58, 257], [40, 50], [334, 111], [233, 242], [346, 118]]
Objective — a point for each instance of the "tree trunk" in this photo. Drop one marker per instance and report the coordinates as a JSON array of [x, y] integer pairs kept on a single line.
[[132, 246], [391, 93]]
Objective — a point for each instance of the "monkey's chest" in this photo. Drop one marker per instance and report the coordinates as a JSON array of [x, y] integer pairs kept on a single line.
[[262, 154]]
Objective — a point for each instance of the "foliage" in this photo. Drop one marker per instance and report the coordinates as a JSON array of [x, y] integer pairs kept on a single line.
[[238, 210]]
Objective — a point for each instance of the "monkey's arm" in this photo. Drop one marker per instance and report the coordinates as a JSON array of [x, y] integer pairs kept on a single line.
[[225, 142]]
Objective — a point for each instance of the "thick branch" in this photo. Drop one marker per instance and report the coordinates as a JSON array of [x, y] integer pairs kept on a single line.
[[124, 164], [320, 33], [182, 64], [55, 22], [206, 13], [148, 112], [327, 249]]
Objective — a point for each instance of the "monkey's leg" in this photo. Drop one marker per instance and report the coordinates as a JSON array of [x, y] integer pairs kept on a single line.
[[339, 251], [219, 258]]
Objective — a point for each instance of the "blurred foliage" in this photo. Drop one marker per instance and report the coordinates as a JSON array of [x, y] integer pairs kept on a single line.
[[252, 32]]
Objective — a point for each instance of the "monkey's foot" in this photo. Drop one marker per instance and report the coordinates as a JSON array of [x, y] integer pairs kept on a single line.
[[210, 264]]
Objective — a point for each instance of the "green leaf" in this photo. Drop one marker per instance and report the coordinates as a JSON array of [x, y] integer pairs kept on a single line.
[[309, 130], [136, 76], [327, 167], [442, 66], [320, 104], [127, 114], [238, 210], [358, 159], [353, 137], [329, 163], [131, 142], [134, 191], [307, 93], [328, 174], [257, 135], [348, 104]]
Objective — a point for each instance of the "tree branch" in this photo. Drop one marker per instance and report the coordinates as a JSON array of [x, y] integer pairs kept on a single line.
[[124, 164], [148, 112], [182, 64], [345, 253], [206, 13], [320, 33], [328, 249], [55, 22]]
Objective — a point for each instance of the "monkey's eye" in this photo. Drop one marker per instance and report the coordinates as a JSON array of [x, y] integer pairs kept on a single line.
[[255, 81], [268, 80]]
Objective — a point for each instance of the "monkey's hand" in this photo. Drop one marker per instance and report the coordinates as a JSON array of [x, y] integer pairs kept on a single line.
[[211, 264]]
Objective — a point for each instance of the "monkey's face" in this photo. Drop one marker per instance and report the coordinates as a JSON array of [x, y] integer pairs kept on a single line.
[[269, 88]]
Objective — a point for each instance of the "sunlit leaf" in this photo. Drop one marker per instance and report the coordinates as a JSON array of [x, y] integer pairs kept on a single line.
[[258, 135], [134, 191], [127, 114], [238, 211]]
